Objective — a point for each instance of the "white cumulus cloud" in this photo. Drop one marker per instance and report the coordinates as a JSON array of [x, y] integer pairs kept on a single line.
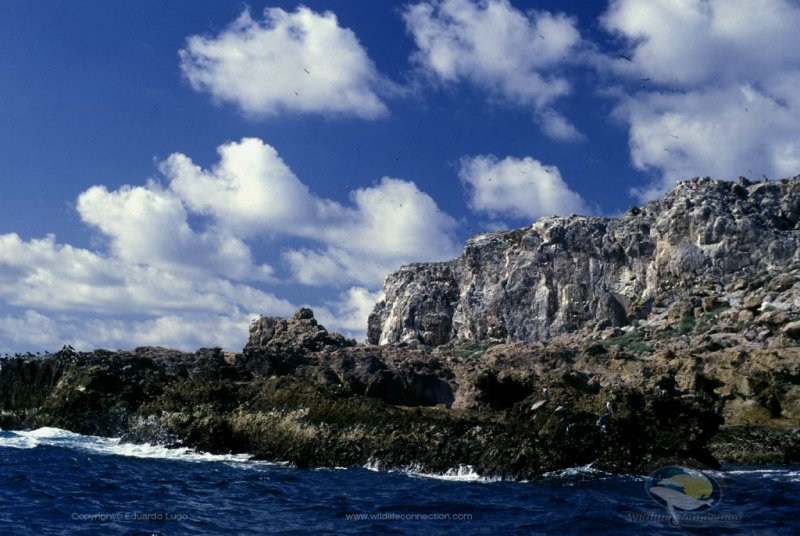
[[393, 219], [349, 313], [724, 132], [692, 42], [31, 329], [718, 98], [42, 273], [336, 266], [521, 188], [508, 53], [175, 266], [251, 191], [148, 226], [302, 62]]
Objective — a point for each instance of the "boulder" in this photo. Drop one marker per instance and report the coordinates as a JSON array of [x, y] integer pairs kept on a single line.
[[301, 332], [792, 330]]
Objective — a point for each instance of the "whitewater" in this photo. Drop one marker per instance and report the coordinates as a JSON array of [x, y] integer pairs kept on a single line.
[[59, 482]]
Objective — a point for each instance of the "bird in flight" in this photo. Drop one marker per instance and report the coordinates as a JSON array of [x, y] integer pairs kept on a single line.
[[625, 57]]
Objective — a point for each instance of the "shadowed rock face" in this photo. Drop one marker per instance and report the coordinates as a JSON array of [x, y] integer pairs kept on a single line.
[[461, 403], [431, 292], [567, 274], [388, 406]]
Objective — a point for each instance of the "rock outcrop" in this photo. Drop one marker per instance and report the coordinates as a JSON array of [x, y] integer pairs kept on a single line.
[[669, 335], [708, 244], [301, 332]]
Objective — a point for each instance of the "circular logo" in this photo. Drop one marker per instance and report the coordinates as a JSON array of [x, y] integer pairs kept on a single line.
[[682, 488]]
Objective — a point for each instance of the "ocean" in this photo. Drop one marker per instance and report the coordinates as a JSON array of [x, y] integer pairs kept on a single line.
[[57, 482]]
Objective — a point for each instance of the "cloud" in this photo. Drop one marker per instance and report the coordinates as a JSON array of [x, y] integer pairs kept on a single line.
[[176, 267], [44, 274], [251, 189], [190, 331], [518, 188], [500, 49], [558, 127], [336, 266], [149, 225], [348, 315], [70, 295], [695, 42], [301, 62], [718, 100], [394, 219], [726, 132], [31, 328], [252, 192]]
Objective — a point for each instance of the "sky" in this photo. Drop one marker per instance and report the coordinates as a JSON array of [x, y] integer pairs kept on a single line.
[[169, 170]]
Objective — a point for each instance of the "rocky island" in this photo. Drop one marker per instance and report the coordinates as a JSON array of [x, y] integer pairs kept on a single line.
[[671, 333]]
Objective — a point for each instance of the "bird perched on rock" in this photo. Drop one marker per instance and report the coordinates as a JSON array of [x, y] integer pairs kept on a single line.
[[605, 419], [540, 403], [603, 422]]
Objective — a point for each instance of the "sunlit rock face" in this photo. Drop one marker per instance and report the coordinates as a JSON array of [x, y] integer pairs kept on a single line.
[[298, 333], [701, 246]]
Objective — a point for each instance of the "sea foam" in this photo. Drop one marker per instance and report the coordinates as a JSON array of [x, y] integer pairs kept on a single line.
[[56, 437]]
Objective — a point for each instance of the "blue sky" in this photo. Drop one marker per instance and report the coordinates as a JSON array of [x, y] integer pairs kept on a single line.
[[169, 170]]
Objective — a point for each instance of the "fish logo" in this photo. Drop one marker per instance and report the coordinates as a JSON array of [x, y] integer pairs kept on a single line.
[[681, 489]]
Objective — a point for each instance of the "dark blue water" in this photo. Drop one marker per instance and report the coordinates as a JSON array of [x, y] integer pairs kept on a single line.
[[55, 482]]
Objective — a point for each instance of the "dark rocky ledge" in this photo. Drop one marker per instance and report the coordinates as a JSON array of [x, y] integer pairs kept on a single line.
[[316, 399]]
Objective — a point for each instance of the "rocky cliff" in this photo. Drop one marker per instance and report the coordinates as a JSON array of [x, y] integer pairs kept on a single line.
[[669, 335], [707, 245]]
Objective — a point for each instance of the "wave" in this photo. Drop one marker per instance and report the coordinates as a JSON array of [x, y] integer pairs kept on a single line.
[[580, 472], [56, 437], [780, 474], [462, 473], [467, 473]]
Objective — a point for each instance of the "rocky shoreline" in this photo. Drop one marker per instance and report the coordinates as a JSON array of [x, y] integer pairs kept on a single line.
[[329, 402], [669, 335]]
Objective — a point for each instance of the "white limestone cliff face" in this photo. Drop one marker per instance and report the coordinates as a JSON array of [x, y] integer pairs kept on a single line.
[[692, 249]]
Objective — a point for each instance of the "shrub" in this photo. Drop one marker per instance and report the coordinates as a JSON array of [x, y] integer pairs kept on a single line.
[[471, 350]]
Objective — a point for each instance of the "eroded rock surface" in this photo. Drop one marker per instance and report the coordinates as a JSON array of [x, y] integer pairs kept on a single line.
[[670, 335], [300, 332], [707, 245]]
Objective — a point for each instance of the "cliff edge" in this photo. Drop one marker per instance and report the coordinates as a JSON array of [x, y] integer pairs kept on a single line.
[[707, 245], [667, 336]]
